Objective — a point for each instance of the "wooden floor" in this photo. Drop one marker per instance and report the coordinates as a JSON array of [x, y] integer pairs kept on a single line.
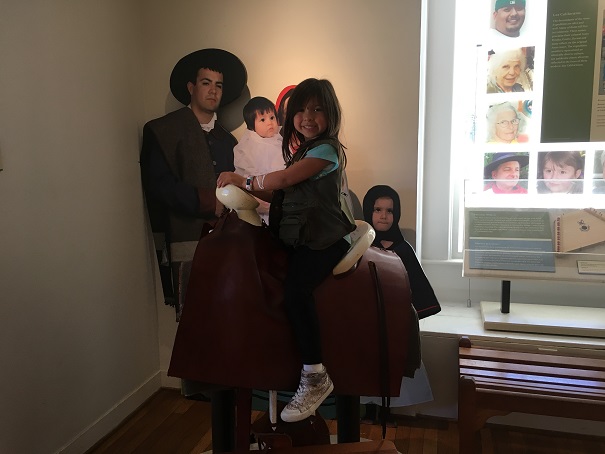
[[170, 424]]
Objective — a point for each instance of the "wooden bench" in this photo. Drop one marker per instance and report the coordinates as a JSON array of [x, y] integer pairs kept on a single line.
[[497, 382]]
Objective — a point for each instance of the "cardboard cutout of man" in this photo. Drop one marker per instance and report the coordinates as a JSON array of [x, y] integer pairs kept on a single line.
[[182, 154]]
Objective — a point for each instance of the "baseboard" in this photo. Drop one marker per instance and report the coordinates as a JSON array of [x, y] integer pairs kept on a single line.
[[169, 382], [550, 424], [113, 417]]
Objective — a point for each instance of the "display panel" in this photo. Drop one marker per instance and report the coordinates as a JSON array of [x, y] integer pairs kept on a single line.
[[532, 151], [521, 235]]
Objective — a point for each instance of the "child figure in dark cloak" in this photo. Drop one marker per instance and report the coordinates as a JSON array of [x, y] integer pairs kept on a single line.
[[382, 209]]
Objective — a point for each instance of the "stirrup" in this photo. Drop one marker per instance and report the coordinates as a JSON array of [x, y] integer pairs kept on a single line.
[[361, 239]]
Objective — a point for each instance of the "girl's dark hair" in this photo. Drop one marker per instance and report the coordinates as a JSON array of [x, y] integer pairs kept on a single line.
[[323, 92], [258, 104], [560, 158]]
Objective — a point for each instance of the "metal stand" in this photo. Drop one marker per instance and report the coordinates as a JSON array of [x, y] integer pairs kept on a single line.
[[223, 421], [505, 299], [347, 414]]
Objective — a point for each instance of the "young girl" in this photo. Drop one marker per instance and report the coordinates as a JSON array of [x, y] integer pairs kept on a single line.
[[313, 225]]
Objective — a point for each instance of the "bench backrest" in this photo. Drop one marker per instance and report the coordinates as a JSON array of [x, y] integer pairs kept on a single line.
[[542, 374]]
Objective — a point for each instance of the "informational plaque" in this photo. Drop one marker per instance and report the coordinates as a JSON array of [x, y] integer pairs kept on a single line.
[[531, 243], [510, 240]]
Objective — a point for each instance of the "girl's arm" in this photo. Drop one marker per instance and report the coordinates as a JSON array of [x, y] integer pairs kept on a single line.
[[299, 171]]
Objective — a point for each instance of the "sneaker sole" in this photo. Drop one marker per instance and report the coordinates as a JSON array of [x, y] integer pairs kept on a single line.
[[305, 414]]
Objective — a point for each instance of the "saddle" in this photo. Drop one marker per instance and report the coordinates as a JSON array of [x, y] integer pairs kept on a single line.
[[234, 332]]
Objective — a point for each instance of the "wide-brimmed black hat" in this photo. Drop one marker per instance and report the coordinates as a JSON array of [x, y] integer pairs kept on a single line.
[[501, 158], [233, 71]]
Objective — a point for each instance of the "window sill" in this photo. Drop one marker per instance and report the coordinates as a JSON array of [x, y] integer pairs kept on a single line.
[[455, 320]]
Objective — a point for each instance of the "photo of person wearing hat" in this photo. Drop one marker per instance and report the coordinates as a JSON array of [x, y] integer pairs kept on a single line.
[[182, 154], [508, 18], [502, 172]]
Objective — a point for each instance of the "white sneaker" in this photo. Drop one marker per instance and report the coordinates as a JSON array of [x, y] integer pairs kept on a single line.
[[313, 389]]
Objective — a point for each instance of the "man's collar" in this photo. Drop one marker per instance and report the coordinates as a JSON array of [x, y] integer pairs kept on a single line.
[[210, 125]]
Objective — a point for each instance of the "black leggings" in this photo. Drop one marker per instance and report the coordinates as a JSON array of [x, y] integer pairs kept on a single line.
[[307, 268]]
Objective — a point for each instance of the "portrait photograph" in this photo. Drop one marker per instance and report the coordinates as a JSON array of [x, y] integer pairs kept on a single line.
[[507, 122], [505, 173], [560, 172], [513, 22], [511, 70]]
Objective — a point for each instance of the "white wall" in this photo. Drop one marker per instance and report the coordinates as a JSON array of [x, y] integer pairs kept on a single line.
[[369, 50], [78, 321]]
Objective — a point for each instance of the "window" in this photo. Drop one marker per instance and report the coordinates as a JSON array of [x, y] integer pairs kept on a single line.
[[451, 123], [510, 68]]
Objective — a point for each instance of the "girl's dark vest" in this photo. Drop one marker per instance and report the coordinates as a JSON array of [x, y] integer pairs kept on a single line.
[[312, 215]]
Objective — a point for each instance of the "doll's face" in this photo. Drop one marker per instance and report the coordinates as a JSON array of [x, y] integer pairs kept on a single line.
[[265, 124], [382, 216]]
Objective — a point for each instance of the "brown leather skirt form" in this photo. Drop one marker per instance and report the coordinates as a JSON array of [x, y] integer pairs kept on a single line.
[[234, 332]]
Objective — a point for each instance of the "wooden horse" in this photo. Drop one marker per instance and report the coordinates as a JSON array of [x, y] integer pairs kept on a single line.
[[234, 332]]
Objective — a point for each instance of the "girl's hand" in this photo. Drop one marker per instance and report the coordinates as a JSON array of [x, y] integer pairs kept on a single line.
[[226, 178]]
